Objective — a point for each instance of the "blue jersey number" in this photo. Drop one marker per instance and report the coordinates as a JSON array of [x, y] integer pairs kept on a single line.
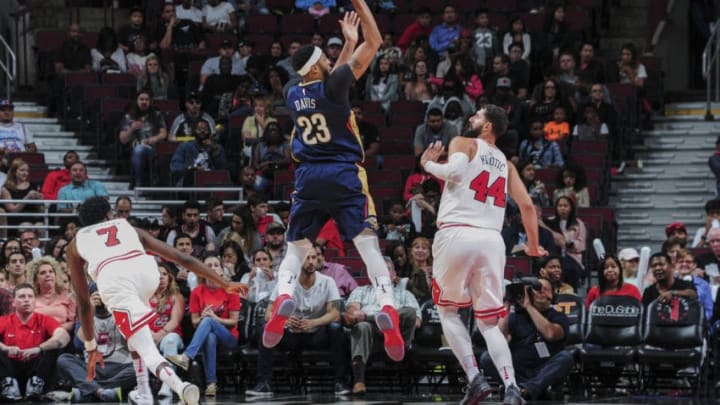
[[314, 129]]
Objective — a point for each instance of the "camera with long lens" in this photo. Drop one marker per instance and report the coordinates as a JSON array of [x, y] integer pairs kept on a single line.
[[515, 291]]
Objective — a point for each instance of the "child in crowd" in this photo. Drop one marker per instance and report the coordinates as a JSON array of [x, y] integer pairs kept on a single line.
[[485, 39], [397, 225], [591, 128], [558, 129]]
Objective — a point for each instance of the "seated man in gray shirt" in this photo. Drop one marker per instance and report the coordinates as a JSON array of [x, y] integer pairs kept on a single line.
[[118, 372], [315, 324], [434, 129]]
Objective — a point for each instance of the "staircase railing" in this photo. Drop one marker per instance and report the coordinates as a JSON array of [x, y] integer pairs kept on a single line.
[[710, 61], [8, 65]]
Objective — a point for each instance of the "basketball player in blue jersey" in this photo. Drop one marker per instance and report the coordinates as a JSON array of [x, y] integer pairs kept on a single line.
[[329, 181]]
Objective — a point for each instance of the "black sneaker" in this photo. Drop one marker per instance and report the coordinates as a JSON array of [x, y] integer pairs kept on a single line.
[[513, 396], [10, 390], [341, 389], [262, 389], [34, 388], [477, 390]]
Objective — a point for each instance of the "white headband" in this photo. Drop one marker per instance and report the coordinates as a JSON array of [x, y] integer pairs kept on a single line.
[[317, 53]]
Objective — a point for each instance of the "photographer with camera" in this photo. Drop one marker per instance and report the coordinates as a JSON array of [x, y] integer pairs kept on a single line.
[[536, 335]]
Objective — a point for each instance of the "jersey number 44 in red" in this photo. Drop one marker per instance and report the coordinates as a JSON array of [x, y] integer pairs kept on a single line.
[[111, 232], [496, 190]]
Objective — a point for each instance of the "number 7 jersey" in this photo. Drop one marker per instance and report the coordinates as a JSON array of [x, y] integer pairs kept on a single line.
[[108, 242], [325, 130], [479, 198]]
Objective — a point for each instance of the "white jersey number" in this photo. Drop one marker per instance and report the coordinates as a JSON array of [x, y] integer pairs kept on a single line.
[[315, 129]]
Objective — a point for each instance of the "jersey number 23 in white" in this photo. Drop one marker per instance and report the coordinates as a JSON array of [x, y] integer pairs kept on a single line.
[[314, 129]]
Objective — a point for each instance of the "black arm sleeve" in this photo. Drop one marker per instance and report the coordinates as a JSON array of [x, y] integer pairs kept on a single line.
[[337, 86]]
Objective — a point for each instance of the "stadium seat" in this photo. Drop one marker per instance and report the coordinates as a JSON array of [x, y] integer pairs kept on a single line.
[[427, 355], [354, 265], [435, 6], [328, 25], [534, 23], [612, 335], [163, 154], [281, 6], [214, 40], [502, 6], [574, 308], [297, 23], [120, 79], [674, 340], [517, 267], [33, 159], [220, 178], [261, 24]]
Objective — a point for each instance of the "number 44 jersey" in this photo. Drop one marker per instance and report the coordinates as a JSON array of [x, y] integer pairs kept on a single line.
[[325, 130], [106, 243], [479, 198]]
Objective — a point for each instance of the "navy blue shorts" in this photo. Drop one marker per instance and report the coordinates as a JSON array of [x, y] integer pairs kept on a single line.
[[330, 190]]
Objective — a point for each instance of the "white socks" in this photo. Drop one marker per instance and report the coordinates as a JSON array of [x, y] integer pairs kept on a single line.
[[141, 375], [142, 344], [459, 340], [369, 249], [499, 351], [291, 265]]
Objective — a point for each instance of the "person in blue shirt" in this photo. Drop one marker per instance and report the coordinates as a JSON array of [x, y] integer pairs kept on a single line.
[[80, 187], [329, 181], [685, 266], [448, 31]]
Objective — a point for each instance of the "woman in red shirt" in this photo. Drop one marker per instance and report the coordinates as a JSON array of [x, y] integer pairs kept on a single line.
[[214, 315], [167, 327], [610, 282]]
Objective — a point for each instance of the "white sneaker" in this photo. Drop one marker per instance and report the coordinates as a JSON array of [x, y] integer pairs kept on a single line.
[[165, 391], [136, 398], [190, 394]]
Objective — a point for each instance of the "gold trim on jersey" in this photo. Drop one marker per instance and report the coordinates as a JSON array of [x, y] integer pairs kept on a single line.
[[352, 124], [292, 137], [370, 204]]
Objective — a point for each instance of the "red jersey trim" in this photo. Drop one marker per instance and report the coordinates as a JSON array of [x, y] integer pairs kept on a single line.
[[127, 256], [489, 313]]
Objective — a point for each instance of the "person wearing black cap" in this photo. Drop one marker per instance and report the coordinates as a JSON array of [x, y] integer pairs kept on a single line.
[[212, 65], [181, 128], [328, 181]]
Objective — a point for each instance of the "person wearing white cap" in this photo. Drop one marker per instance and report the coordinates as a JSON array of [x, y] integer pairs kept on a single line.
[[629, 260], [333, 48]]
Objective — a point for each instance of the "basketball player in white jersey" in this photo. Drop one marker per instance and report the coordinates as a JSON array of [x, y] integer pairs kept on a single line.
[[468, 250], [115, 254]]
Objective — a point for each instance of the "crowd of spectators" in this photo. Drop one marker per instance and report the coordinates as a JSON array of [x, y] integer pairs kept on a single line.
[[549, 79]]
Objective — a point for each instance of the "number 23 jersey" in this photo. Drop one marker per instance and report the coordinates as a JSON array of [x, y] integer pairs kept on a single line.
[[479, 198], [325, 129], [108, 242]]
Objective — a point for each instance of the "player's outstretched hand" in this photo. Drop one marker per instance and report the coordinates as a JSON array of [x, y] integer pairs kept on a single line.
[[432, 153], [237, 288], [536, 252], [349, 25], [94, 357]]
